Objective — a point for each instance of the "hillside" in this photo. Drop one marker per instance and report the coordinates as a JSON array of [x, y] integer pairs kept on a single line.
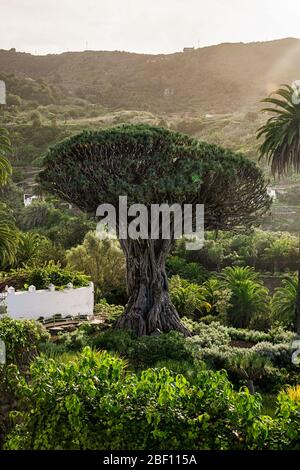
[[219, 79], [212, 94]]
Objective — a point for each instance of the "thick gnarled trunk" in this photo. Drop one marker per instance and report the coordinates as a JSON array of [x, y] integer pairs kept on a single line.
[[149, 308]]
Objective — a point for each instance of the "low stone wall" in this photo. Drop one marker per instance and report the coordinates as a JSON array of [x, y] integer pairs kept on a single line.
[[33, 304]]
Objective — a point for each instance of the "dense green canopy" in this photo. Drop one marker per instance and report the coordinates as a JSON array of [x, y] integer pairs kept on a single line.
[[154, 165]]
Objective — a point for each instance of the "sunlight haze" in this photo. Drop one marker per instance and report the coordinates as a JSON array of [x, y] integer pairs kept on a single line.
[[159, 26]]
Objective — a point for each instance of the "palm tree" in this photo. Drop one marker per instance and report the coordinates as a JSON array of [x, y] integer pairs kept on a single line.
[[28, 248], [8, 238], [281, 143], [284, 301], [8, 235], [249, 298], [5, 167]]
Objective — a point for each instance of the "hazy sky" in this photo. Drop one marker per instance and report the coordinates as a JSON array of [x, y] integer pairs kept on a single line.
[[151, 26]]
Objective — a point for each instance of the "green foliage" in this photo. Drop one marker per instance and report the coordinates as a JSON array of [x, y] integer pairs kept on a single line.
[[262, 250], [193, 272], [217, 296], [22, 338], [74, 341], [42, 277], [275, 335], [284, 302], [8, 237], [5, 148], [208, 336], [282, 250], [104, 262], [188, 298], [109, 312], [286, 427], [279, 354], [248, 296], [22, 341], [28, 247], [69, 231], [250, 365], [38, 214], [143, 162], [156, 410], [145, 351], [281, 133]]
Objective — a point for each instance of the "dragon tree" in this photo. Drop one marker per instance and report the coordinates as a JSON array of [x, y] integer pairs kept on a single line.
[[152, 165]]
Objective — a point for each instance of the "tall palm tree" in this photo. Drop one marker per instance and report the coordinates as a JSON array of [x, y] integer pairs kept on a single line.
[[284, 300], [8, 238], [8, 235], [281, 143], [5, 146]]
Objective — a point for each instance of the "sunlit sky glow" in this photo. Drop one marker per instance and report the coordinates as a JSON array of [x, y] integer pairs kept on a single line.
[[156, 26]]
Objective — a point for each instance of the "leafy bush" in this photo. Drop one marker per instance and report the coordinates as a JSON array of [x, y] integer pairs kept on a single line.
[[250, 365], [74, 341], [42, 277], [109, 312], [208, 336], [285, 430], [145, 351], [95, 405], [22, 339], [248, 296], [284, 302], [191, 271], [217, 296], [279, 354], [275, 335], [188, 298], [104, 262]]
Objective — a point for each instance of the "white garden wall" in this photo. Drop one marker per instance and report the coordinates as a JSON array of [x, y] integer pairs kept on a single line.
[[33, 304]]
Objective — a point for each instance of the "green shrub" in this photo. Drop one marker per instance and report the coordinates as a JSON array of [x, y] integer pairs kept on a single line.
[[188, 298], [145, 351], [104, 262], [95, 405], [208, 336], [109, 312], [250, 366], [189, 369], [275, 335], [279, 354], [249, 298], [42, 277], [74, 341], [282, 433], [22, 339], [191, 271], [284, 302]]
